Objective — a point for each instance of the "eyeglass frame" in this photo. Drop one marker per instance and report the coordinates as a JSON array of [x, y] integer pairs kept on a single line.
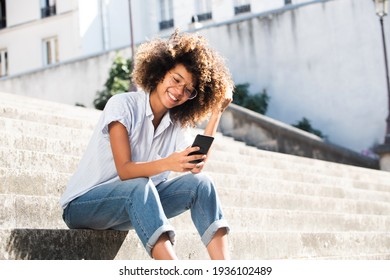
[[191, 94]]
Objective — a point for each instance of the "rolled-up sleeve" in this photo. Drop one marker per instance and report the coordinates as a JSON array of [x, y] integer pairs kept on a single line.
[[117, 110]]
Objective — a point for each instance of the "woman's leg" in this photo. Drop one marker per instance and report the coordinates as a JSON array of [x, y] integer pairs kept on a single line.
[[218, 248], [197, 193], [123, 205], [163, 249]]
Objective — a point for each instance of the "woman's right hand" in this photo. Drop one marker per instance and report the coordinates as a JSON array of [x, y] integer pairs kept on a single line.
[[180, 161]]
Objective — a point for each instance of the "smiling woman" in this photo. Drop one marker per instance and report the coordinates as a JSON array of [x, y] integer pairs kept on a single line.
[[178, 80], [172, 91], [122, 180], [211, 77]]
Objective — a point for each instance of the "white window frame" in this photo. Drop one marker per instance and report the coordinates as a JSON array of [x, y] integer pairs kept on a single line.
[[3, 14], [166, 14], [238, 3], [50, 51], [45, 4], [3, 62], [203, 11], [166, 7], [48, 8], [242, 6], [203, 6]]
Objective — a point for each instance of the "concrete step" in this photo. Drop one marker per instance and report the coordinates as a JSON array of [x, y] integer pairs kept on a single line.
[[74, 140], [302, 245], [32, 160], [32, 182], [293, 163], [272, 200], [41, 183], [76, 148], [223, 143], [21, 211], [22, 107], [46, 244], [48, 118], [304, 175], [42, 144], [16, 127], [64, 163], [285, 186], [288, 161], [38, 106]]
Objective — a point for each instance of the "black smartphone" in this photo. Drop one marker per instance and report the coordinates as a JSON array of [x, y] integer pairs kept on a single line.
[[204, 143]]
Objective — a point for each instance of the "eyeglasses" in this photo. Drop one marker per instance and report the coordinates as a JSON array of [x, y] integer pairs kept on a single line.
[[178, 81]]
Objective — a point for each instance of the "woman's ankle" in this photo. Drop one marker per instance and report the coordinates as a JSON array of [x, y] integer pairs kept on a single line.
[[163, 249]]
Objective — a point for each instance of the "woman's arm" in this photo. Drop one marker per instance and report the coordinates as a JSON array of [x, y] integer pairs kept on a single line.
[[127, 169], [212, 125]]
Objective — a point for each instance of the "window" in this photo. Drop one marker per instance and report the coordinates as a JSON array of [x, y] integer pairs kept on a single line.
[[166, 14], [287, 2], [242, 6], [3, 15], [48, 8], [50, 51], [203, 11], [3, 63]]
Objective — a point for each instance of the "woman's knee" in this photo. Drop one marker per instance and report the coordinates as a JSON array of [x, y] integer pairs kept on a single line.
[[138, 186], [204, 183]]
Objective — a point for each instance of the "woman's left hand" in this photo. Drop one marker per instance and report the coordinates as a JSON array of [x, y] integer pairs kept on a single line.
[[228, 98], [198, 168]]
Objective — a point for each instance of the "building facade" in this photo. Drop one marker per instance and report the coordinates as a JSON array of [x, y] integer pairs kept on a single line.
[[37, 33]]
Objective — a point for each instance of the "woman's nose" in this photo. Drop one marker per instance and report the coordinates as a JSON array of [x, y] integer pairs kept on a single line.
[[179, 89]]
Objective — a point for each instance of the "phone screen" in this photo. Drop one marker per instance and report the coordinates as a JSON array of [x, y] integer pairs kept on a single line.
[[204, 143]]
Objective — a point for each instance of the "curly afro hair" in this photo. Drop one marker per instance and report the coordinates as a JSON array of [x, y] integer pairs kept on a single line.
[[156, 57]]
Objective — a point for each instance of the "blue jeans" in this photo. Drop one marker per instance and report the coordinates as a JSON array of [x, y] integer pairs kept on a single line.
[[139, 204]]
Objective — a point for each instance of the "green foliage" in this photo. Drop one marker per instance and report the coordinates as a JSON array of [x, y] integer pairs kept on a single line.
[[256, 102], [118, 81], [305, 125]]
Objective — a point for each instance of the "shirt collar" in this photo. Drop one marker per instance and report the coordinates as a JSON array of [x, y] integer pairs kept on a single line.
[[148, 109], [165, 121]]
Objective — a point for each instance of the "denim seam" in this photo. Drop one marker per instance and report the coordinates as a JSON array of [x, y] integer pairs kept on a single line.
[[137, 218], [201, 210], [99, 200]]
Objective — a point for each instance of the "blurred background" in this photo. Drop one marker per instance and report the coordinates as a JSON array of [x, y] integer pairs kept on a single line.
[[321, 61]]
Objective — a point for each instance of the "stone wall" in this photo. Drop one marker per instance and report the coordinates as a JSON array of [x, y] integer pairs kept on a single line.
[[268, 134]]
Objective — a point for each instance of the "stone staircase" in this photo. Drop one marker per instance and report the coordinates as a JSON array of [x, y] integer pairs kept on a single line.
[[279, 206]]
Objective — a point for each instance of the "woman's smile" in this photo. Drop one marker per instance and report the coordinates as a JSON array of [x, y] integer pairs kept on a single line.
[[172, 97]]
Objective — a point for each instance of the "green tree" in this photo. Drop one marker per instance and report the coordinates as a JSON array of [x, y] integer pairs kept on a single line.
[[305, 125], [118, 81], [256, 102]]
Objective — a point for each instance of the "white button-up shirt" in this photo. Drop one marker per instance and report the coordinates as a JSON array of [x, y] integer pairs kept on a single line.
[[147, 144]]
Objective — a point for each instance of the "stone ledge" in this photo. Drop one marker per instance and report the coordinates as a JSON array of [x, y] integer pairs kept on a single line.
[[268, 134], [60, 244]]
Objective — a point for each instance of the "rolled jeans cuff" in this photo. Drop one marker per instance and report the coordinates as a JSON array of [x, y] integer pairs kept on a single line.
[[156, 235], [212, 229]]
